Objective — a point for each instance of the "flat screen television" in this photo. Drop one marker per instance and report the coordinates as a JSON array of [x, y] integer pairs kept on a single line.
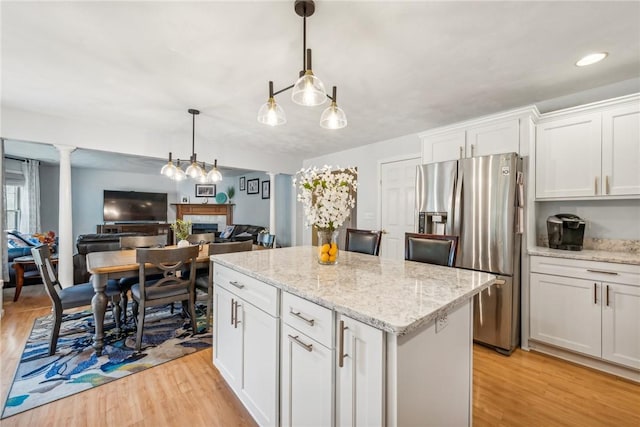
[[134, 206]]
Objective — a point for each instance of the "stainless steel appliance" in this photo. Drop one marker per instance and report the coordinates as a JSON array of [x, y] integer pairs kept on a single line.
[[481, 200], [566, 231]]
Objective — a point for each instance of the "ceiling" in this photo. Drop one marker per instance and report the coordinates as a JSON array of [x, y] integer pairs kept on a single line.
[[400, 67]]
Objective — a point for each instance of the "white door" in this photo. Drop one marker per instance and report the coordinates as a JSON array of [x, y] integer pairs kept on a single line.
[[228, 337], [360, 380], [621, 324], [566, 312], [568, 157], [442, 148], [621, 151], [397, 205], [306, 381], [259, 390], [495, 138]]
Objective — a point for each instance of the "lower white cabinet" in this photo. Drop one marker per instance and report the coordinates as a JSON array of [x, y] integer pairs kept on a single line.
[[360, 399], [307, 386], [588, 307], [246, 343]]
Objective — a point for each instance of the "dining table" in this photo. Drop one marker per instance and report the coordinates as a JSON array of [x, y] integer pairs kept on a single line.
[[108, 265]]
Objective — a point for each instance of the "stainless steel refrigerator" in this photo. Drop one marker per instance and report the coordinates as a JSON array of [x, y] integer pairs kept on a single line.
[[480, 200]]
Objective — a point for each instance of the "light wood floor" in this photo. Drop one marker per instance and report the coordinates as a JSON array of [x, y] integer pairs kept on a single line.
[[526, 389]]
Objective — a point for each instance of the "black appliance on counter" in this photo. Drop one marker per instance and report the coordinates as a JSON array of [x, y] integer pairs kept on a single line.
[[566, 231]]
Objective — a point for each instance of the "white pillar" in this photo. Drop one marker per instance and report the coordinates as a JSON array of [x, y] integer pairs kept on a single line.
[[272, 203], [65, 223]]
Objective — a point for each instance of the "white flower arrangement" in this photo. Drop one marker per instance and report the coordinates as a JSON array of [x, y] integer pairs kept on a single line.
[[326, 195]]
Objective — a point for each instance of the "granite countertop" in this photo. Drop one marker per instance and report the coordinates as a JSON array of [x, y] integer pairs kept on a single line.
[[589, 255], [395, 296]]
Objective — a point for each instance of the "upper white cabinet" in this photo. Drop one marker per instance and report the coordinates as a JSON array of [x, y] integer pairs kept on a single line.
[[500, 133], [589, 152]]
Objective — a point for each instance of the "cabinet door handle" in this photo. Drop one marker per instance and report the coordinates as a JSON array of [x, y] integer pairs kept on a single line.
[[235, 325], [613, 273], [310, 322], [606, 184], [461, 152], [595, 186], [236, 284], [473, 149], [233, 305], [595, 293], [607, 295], [308, 347], [341, 354]]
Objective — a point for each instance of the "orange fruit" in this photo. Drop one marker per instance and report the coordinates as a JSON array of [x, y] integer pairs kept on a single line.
[[324, 257], [332, 258], [333, 251], [325, 248]]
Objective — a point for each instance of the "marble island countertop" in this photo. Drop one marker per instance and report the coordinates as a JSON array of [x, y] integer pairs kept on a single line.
[[589, 255], [395, 296]]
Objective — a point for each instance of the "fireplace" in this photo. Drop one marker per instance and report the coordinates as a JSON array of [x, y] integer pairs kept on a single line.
[[200, 228]]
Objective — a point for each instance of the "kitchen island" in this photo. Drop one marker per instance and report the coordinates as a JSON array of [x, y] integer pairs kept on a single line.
[[368, 341]]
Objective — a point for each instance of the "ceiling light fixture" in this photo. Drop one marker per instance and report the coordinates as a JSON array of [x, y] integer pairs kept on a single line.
[[592, 58], [308, 90], [195, 171]]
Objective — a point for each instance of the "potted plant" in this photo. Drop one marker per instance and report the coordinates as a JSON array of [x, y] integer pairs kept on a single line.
[[182, 229], [231, 191]]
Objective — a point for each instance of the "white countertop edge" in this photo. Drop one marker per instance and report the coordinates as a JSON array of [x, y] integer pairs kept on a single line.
[[376, 323], [588, 255]]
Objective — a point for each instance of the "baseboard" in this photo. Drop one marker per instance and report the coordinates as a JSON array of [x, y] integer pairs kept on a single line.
[[590, 362]]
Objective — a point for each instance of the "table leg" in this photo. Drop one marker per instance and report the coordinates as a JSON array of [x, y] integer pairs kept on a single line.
[[19, 268], [99, 305]]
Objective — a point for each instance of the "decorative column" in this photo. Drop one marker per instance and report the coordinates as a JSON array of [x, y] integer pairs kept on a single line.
[[65, 224], [272, 203]]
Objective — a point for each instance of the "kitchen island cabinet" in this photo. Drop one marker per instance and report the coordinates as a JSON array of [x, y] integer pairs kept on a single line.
[[393, 338]]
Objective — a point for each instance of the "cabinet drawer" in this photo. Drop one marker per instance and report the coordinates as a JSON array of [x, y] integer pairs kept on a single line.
[[260, 294], [591, 270], [309, 318]]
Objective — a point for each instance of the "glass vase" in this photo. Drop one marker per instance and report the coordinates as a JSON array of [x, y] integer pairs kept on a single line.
[[328, 250]]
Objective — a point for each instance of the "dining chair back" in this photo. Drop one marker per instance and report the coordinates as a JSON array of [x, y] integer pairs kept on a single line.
[[134, 242], [363, 241], [431, 248], [171, 287], [267, 240], [201, 238], [63, 298]]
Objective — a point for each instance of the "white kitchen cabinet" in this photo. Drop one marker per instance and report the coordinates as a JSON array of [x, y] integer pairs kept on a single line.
[[307, 386], [587, 306], [359, 374], [590, 151], [444, 147], [247, 341]]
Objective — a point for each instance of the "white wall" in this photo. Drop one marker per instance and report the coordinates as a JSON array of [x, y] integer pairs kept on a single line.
[[49, 192], [366, 159]]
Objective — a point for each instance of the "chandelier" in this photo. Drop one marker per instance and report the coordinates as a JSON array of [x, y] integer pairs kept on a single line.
[[308, 90], [195, 170]]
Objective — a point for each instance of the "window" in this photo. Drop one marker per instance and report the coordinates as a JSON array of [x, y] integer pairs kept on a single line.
[[13, 207]]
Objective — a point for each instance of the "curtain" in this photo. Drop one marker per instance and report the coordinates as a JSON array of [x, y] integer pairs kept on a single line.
[[30, 220], [3, 210]]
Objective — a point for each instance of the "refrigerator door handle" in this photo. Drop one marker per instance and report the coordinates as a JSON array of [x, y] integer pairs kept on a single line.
[[457, 207]]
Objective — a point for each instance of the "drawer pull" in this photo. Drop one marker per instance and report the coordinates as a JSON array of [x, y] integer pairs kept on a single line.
[[236, 284], [308, 347], [613, 273], [341, 354], [310, 322]]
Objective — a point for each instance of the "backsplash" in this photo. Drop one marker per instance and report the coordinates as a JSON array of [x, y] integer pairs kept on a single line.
[[599, 244]]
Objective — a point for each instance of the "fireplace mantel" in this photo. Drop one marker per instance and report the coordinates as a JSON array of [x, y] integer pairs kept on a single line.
[[183, 209]]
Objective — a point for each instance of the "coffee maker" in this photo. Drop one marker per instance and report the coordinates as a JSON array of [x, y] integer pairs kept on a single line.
[[566, 231]]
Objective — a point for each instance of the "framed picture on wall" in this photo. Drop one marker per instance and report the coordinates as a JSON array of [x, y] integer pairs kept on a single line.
[[205, 190], [253, 186], [242, 181], [266, 189]]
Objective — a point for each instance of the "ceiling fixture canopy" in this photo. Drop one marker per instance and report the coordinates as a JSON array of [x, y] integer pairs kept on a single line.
[[308, 90], [195, 170]]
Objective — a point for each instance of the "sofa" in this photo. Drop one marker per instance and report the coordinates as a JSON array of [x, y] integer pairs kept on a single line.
[[20, 245], [87, 243], [241, 232]]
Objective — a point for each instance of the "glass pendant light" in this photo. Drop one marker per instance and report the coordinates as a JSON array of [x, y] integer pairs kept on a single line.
[[333, 117], [194, 170], [309, 90], [169, 169], [179, 174], [214, 174], [271, 113]]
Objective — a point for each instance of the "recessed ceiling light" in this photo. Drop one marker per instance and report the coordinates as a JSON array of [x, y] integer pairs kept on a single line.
[[592, 58]]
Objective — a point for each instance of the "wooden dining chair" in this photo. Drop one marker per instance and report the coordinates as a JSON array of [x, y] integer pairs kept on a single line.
[[363, 241], [201, 238], [205, 283], [170, 288], [70, 297], [266, 240], [431, 248]]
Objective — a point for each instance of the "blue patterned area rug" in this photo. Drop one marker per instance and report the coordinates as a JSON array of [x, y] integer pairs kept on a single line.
[[41, 379]]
